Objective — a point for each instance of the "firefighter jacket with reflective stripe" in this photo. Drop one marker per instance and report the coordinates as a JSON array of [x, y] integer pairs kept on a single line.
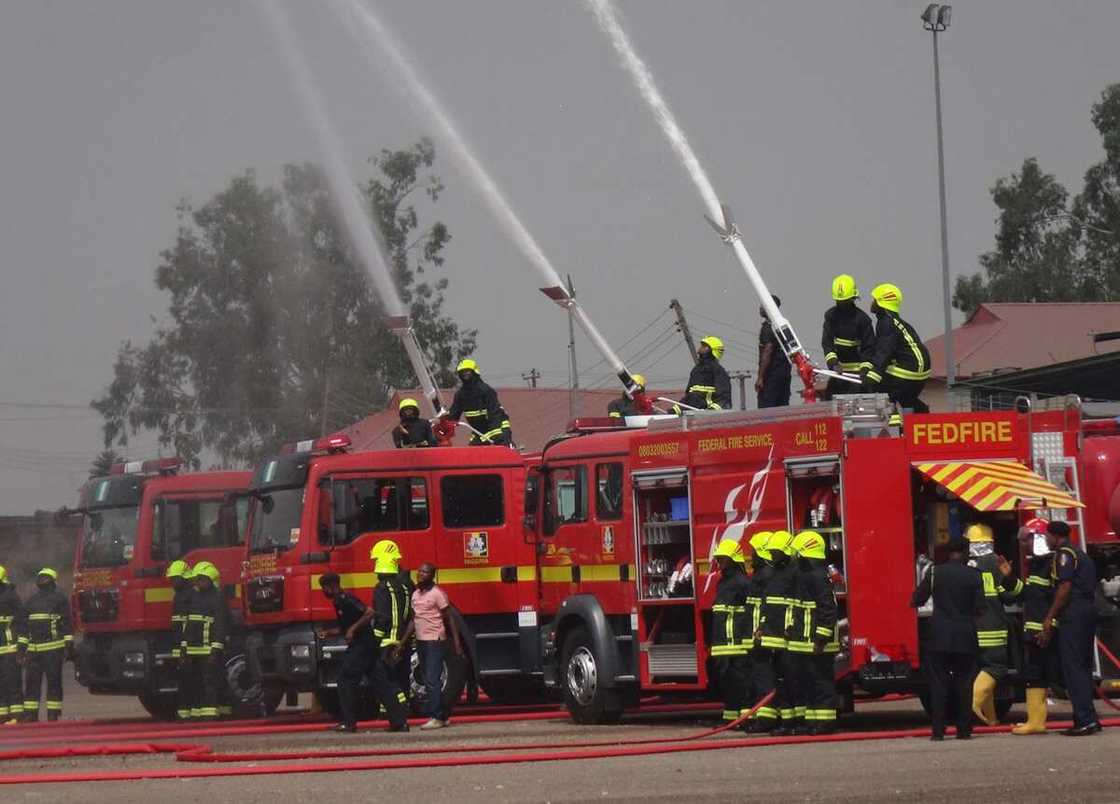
[[180, 608], [208, 623], [758, 578], [776, 605], [47, 614], [622, 407], [391, 610], [1038, 595], [848, 336], [898, 351], [731, 627], [478, 403], [414, 433], [709, 387], [813, 610], [992, 623], [12, 623]]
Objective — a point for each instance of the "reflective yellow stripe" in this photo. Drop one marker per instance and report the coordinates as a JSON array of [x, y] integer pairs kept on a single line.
[[159, 594], [845, 342], [702, 389], [43, 647], [874, 376], [729, 650], [41, 617], [830, 356], [906, 374], [1037, 581], [476, 413]]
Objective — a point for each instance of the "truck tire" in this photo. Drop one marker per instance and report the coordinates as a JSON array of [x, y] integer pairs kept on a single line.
[[586, 699], [161, 706], [250, 697]]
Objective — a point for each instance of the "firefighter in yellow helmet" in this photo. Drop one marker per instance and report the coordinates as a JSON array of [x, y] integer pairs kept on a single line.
[[992, 624], [847, 335], [776, 611], [413, 430], [391, 610], [478, 403], [624, 406], [48, 639], [763, 665], [709, 387], [899, 361], [11, 625], [774, 371], [204, 643], [731, 635], [178, 572], [814, 638]]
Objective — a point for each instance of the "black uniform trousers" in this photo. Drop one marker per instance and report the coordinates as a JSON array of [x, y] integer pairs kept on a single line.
[[775, 388], [1075, 647], [205, 678], [357, 663], [818, 687], [43, 663], [995, 661], [184, 676], [734, 674], [11, 687], [904, 392], [387, 688], [789, 701], [955, 671], [764, 679], [1041, 666]]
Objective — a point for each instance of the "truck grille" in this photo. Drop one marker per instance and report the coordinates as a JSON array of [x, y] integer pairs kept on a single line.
[[672, 660]]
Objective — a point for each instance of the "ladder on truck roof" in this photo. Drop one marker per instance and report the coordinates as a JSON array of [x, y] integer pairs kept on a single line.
[[864, 415]]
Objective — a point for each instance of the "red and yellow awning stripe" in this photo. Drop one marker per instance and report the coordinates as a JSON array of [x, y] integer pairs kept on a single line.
[[996, 485]]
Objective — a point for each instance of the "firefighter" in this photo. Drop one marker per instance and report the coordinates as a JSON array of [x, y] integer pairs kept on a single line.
[[709, 387], [899, 361], [354, 619], [11, 626], [949, 655], [761, 662], [1075, 578], [847, 335], [772, 628], [204, 643], [479, 403], [624, 406], [391, 611], [731, 635], [180, 574], [413, 431], [1040, 663], [817, 641], [992, 625], [772, 382], [48, 639]]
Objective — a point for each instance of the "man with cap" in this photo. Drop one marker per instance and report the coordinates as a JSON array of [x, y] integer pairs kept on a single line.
[[478, 403], [1075, 578], [180, 574], [899, 361], [709, 386], [774, 373], [11, 626], [354, 618], [992, 625], [1041, 667], [391, 610], [624, 406], [846, 336], [48, 638], [731, 636], [815, 639], [204, 642], [949, 655], [413, 431]]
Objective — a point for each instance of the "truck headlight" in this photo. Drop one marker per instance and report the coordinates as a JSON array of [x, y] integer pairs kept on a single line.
[[134, 659], [300, 652]]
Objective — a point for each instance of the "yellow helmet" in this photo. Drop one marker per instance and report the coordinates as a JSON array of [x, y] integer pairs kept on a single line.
[[408, 403], [3, 575], [979, 532], [465, 364], [386, 557], [207, 570], [782, 541], [844, 288], [758, 544], [715, 344], [50, 573], [809, 544], [731, 549], [638, 380], [888, 296], [176, 569]]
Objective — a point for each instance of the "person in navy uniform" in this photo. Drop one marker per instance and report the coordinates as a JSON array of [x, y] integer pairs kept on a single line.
[[1075, 579], [354, 618]]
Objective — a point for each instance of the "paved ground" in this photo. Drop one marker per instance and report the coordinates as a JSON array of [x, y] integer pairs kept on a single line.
[[996, 767]]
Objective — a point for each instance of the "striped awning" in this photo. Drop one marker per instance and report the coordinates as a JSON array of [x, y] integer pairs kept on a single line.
[[996, 485]]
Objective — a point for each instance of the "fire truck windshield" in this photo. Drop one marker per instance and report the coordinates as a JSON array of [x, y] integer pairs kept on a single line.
[[275, 520], [109, 536]]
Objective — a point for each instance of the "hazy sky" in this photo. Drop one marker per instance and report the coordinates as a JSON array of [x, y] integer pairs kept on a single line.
[[814, 119]]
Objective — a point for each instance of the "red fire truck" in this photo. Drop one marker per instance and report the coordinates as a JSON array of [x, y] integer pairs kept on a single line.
[[135, 521], [629, 519], [320, 508]]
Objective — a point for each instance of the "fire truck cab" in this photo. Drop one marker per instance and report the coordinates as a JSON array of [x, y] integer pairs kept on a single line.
[[135, 521]]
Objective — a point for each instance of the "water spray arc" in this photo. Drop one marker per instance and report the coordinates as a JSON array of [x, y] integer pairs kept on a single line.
[[376, 37]]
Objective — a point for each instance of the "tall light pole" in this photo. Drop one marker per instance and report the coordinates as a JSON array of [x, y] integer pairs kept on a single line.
[[935, 19]]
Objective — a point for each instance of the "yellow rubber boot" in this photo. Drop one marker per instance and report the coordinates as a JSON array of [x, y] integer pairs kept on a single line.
[[1036, 713], [984, 698]]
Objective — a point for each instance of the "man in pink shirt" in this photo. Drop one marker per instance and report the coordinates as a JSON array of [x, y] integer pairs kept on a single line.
[[432, 623]]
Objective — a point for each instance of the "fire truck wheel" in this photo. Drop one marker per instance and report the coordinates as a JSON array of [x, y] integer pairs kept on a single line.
[[584, 695], [456, 670], [161, 707]]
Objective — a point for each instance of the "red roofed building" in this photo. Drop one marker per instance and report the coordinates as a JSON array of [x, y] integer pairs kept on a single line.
[[536, 414], [1009, 348]]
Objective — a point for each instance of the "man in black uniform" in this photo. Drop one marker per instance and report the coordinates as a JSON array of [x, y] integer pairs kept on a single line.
[[731, 638], [354, 619], [47, 639], [624, 406], [391, 610], [478, 402], [709, 387], [413, 431], [1075, 579], [817, 642], [1040, 664], [772, 381], [846, 336], [180, 575], [950, 653], [11, 626], [763, 666], [899, 360], [776, 611], [204, 642]]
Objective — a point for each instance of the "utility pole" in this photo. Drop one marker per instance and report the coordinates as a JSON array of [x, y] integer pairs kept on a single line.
[[573, 380], [531, 377], [742, 377], [682, 325]]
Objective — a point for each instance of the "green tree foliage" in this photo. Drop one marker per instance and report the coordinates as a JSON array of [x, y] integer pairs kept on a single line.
[[1048, 248], [274, 331], [99, 466]]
